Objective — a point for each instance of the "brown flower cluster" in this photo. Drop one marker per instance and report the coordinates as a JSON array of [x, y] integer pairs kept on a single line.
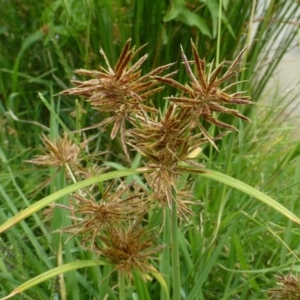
[[289, 288], [67, 153], [58, 153], [205, 96], [168, 140], [129, 248], [121, 91], [113, 228], [91, 217], [167, 143]]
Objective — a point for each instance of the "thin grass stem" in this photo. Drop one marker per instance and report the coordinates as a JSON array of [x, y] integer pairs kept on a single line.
[[122, 294], [219, 34], [71, 173], [165, 258], [175, 249]]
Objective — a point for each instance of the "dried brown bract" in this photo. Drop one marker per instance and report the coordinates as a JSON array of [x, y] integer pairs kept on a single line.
[[204, 95], [184, 198], [167, 143], [121, 91], [90, 216], [129, 248], [60, 152], [289, 288], [164, 143]]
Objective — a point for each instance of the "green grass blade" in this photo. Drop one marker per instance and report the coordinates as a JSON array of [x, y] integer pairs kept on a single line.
[[141, 287], [197, 287], [53, 273], [162, 283], [239, 185], [65, 191]]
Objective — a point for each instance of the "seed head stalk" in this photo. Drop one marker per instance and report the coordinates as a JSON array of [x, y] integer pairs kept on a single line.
[[122, 292], [165, 257], [175, 249], [71, 174]]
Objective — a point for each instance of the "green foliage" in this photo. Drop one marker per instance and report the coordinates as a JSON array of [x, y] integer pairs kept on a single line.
[[233, 244]]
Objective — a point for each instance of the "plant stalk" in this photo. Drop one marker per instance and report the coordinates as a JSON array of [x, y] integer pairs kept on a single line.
[[175, 249], [122, 294]]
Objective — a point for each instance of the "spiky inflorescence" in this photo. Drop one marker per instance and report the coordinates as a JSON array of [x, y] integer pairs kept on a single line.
[[165, 141], [95, 216], [58, 153], [129, 248], [204, 95], [289, 288], [121, 91], [166, 144]]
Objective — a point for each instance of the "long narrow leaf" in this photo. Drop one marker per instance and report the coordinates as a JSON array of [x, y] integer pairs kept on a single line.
[[239, 185], [53, 273], [55, 196]]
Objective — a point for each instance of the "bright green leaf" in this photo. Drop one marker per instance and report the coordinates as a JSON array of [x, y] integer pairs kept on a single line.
[[176, 9], [213, 8], [53, 273], [247, 189], [192, 19], [65, 191]]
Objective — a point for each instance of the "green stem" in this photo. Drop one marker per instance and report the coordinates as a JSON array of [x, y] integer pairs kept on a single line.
[[175, 250], [122, 295], [219, 33], [71, 173], [166, 254]]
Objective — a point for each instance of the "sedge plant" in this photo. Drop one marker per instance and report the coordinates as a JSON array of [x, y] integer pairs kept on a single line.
[[113, 219], [165, 139]]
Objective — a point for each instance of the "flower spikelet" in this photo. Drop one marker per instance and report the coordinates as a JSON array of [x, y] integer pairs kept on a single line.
[[204, 95], [289, 288], [58, 153], [91, 216], [121, 91], [184, 198], [129, 248], [166, 142]]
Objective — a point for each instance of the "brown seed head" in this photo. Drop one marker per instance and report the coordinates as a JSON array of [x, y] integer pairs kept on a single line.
[[204, 95], [166, 144], [289, 288], [121, 90], [58, 153], [129, 248], [90, 216], [164, 141]]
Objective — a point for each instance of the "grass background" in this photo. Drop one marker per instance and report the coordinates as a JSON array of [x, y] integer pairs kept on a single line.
[[234, 245]]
